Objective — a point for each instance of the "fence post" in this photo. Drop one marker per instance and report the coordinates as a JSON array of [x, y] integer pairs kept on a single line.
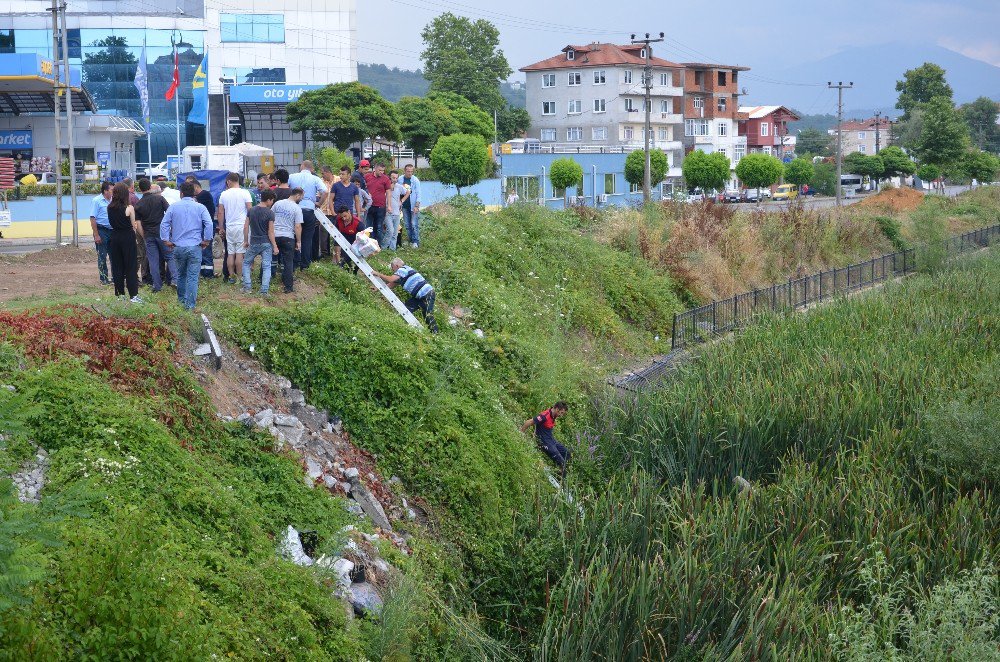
[[736, 309], [715, 328], [774, 303], [673, 334]]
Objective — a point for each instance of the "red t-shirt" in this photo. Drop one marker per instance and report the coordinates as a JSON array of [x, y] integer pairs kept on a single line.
[[377, 188], [348, 228]]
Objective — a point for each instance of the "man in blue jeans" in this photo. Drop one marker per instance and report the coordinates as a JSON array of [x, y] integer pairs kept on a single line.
[[101, 226], [259, 239], [544, 423], [187, 229], [411, 206]]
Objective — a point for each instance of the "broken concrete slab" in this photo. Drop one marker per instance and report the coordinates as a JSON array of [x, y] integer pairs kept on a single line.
[[369, 504]]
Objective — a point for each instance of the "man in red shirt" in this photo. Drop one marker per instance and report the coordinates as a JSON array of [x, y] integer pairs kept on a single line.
[[544, 423], [379, 185], [348, 224]]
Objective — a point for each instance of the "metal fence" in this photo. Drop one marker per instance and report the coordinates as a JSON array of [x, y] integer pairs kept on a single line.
[[701, 324]]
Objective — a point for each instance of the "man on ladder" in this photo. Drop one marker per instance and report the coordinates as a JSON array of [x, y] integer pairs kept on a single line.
[[420, 291]]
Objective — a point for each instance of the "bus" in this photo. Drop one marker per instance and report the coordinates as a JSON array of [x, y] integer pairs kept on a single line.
[[853, 183]]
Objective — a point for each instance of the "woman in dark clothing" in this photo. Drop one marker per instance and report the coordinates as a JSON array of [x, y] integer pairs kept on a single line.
[[122, 248]]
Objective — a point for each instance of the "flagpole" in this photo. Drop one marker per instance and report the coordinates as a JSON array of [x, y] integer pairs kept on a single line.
[[149, 138], [177, 104], [208, 117]]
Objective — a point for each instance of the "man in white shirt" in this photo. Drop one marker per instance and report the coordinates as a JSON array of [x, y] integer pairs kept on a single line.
[[234, 204], [313, 192], [288, 234]]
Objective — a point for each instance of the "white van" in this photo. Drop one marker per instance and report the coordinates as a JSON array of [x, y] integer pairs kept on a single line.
[[521, 146]]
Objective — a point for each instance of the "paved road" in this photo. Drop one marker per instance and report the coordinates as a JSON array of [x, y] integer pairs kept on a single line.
[[23, 248], [824, 202]]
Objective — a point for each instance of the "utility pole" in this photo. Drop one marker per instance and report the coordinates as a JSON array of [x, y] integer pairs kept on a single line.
[[71, 154], [647, 79], [840, 87], [55, 102]]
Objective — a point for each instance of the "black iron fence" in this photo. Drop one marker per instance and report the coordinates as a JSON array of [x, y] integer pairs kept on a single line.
[[701, 324]]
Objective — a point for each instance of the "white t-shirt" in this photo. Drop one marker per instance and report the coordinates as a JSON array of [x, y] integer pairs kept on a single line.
[[235, 201]]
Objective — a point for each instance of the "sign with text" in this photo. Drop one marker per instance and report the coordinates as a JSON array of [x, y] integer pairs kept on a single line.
[[103, 158], [268, 93], [15, 139]]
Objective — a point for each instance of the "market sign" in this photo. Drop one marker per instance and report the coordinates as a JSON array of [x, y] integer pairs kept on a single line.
[[103, 158], [268, 93], [15, 139]]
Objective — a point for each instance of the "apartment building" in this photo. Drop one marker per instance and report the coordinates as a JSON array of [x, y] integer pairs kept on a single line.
[[590, 98], [766, 129], [711, 111], [865, 136]]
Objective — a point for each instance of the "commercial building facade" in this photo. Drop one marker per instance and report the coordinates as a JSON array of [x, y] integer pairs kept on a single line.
[[250, 42]]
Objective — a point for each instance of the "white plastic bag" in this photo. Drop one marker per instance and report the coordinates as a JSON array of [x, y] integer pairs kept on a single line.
[[364, 246]]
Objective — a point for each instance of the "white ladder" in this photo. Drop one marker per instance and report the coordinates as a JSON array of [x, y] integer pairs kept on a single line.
[[363, 265]]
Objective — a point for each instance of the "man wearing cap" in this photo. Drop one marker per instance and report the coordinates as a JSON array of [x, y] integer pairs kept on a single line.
[[313, 192], [379, 186]]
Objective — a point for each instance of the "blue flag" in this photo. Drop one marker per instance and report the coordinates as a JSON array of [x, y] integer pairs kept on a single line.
[[140, 84], [199, 90]]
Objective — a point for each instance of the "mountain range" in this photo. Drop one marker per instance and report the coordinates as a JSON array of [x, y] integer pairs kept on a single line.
[[874, 71]]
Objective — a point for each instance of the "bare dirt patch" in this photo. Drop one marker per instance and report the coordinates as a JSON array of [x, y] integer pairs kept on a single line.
[[64, 270], [893, 201]]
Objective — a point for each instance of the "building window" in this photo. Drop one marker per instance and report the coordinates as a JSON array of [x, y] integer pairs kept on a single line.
[[696, 128], [861, 135], [252, 28], [609, 184], [723, 128], [574, 134], [600, 77], [574, 107], [861, 148], [664, 106], [575, 78], [722, 79], [630, 106], [548, 108], [548, 80], [629, 133], [739, 152], [767, 150], [664, 79], [628, 76], [548, 135], [722, 150], [6, 41], [642, 53], [599, 133], [699, 106], [600, 106], [571, 54], [722, 104], [764, 128], [664, 135], [243, 75], [699, 78]]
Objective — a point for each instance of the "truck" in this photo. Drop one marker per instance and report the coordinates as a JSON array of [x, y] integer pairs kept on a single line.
[[245, 158]]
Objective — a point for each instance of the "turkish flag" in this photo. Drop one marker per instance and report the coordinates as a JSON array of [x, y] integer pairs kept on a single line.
[[172, 90]]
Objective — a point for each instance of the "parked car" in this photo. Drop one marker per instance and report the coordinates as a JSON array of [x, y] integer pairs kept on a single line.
[[786, 192], [732, 195], [749, 195]]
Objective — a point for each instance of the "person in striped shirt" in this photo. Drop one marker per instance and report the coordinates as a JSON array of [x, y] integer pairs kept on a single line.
[[420, 291]]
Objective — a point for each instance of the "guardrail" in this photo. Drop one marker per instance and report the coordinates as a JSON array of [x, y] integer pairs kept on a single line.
[[701, 324]]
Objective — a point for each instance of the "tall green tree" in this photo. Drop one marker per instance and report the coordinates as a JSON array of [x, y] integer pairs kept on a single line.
[[463, 56], [980, 166], [470, 118], [512, 122], [635, 167], [799, 172], [422, 121], [919, 86], [564, 173], [343, 114], [705, 171], [460, 159], [981, 118], [813, 141], [758, 170], [944, 136], [896, 162]]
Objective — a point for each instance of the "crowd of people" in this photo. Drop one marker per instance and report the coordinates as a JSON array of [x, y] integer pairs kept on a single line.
[[149, 241]]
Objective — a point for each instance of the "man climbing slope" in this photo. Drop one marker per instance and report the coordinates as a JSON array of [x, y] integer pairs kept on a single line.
[[544, 423]]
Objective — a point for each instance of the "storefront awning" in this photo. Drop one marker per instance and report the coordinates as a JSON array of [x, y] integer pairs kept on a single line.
[[26, 85], [116, 124]]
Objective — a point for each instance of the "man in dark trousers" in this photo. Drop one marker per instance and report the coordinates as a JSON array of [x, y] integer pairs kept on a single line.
[[544, 423], [208, 202]]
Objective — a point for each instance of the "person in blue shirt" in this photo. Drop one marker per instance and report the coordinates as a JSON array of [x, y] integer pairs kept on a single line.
[[421, 292], [187, 229], [101, 226], [314, 191], [411, 206]]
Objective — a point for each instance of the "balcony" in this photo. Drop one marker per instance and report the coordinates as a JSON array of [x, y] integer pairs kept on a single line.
[[662, 145], [665, 118]]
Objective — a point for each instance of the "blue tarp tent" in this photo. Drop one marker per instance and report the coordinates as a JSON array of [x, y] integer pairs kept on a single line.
[[212, 180]]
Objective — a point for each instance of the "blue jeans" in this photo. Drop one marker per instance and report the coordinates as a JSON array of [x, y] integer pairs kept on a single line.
[[156, 250], [188, 261], [411, 219], [390, 229], [265, 251], [102, 253]]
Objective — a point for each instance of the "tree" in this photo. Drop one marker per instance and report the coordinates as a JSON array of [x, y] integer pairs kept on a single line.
[[981, 118], [929, 173], [564, 173], [469, 118], [824, 179], [813, 141], [344, 114], [863, 164], [109, 73], [459, 159], [635, 167], [906, 132], [423, 121], [799, 172], [919, 86], [896, 162], [944, 135], [512, 122], [980, 166], [464, 57], [704, 171], [758, 170], [334, 159]]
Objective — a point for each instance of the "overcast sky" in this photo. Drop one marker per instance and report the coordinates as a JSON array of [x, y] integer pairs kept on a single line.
[[765, 36]]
